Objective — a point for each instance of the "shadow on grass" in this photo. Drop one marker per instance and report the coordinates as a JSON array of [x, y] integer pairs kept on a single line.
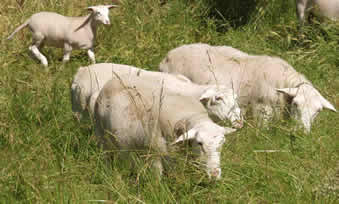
[[238, 13]]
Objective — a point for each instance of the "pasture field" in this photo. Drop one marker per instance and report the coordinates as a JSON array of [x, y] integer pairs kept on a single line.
[[48, 157]]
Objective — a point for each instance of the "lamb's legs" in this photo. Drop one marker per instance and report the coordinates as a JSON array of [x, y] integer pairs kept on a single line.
[[67, 52], [161, 148], [91, 55], [263, 113], [157, 166], [301, 9], [37, 40]]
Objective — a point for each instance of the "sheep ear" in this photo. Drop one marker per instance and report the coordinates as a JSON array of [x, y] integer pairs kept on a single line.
[[228, 130], [92, 8], [289, 91], [207, 95], [112, 6], [204, 101], [186, 136], [183, 78], [327, 104]]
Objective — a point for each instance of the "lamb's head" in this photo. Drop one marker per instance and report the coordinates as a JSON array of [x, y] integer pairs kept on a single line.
[[101, 13], [222, 103], [307, 102], [209, 137]]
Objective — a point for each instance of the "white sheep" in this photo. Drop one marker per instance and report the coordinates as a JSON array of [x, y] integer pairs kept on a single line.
[[55, 30], [263, 82], [219, 101], [327, 8], [139, 114]]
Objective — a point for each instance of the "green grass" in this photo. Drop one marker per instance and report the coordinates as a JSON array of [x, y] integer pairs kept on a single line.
[[47, 157]]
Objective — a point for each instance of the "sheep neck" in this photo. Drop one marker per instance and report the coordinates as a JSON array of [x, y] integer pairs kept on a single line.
[[196, 91], [93, 24], [89, 23], [192, 90], [193, 120]]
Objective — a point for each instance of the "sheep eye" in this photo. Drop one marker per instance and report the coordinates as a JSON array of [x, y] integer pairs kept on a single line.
[[294, 104], [200, 143], [204, 101], [218, 98]]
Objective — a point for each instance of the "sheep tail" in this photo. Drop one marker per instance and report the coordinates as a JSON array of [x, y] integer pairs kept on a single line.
[[18, 28]]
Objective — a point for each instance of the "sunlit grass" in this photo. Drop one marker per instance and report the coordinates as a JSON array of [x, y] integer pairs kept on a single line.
[[47, 156]]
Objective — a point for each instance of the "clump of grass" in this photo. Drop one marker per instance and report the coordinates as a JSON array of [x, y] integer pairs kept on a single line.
[[46, 156]]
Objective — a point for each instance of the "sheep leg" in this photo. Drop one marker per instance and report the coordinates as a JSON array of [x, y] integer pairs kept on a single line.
[[157, 165], [301, 8], [267, 113], [104, 140], [67, 52], [37, 41], [159, 144], [263, 113], [91, 55]]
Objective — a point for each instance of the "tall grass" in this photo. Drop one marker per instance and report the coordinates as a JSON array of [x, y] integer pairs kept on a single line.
[[46, 156]]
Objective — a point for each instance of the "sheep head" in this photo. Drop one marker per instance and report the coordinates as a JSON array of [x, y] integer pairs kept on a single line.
[[101, 13], [307, 102], [222, 103], [209, 137]]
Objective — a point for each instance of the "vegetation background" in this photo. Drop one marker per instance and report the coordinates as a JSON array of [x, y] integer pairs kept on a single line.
[[48, 157]]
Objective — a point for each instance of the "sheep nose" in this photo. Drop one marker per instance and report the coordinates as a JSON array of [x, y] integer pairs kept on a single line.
[[215, 173], [238, 124], [77, 116], [107, 22]]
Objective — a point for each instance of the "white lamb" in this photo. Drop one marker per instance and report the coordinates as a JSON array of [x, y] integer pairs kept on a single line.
[[263, 82], [65, 32], [327, 8], [139, 114], [219, 101]]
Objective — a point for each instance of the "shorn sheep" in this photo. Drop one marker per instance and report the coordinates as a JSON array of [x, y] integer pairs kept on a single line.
[[219, 101], [265, 83], [139, 114], [70, 33]]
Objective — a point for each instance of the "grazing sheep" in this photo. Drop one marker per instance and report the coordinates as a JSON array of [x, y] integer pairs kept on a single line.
[[219, 101], [65, 32], [131, 112], [327, 8], [263, 82]]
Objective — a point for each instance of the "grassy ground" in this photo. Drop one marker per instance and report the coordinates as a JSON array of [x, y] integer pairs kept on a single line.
[[46, 156]]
